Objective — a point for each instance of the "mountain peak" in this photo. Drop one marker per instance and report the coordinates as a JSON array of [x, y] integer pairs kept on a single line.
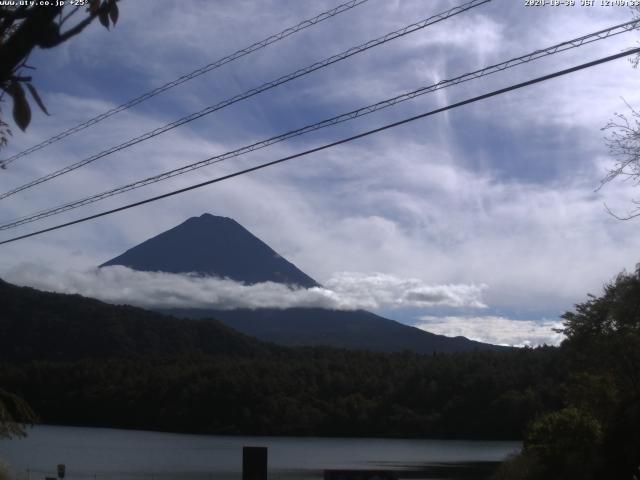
[[214, 246], [210, 217]]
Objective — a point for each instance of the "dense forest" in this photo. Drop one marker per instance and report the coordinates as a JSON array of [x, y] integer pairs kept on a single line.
[[305, 392], [577, 407]]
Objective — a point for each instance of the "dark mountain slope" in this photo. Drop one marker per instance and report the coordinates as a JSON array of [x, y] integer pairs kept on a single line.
[[343, 329], [36, 325], [216, 246]]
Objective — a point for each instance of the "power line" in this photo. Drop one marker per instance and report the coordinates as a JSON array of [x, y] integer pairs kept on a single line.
[[333, 144], [574, 43], [254, 91], [189, 76]]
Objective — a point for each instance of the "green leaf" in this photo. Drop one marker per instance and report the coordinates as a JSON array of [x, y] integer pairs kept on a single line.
[[114, 12], [103, 16], [36, 97], [21, 109]]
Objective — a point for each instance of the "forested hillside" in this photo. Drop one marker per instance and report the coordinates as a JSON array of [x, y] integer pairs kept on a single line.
[[37, 325], [79, 361]]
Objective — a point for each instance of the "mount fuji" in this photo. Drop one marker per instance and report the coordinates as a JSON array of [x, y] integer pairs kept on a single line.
[[219, 246]]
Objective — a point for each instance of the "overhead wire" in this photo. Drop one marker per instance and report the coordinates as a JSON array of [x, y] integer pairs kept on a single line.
[[189, 76], [333, 144], [254, 91], [499, 67]]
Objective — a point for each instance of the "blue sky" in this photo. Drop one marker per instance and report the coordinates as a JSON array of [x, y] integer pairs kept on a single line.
[[499, 195]]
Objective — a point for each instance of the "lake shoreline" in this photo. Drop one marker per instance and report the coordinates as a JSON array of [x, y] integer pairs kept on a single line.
[[107, 454], [312, 435]]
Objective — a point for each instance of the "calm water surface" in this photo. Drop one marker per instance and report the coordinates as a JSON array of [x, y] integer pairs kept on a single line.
[[107, 454]]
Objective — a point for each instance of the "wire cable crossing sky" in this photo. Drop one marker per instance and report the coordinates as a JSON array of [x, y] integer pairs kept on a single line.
[[250, 93], [189, 76], [496, 68], [336, 143]]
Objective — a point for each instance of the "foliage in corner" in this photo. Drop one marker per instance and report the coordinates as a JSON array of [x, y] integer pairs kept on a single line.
[[5, 473], [25, 27], [623, 142], [14, 414]]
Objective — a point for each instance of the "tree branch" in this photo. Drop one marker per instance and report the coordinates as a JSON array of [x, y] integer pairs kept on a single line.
[[68, 15], [32, 31], [618, 217], [72, 32]]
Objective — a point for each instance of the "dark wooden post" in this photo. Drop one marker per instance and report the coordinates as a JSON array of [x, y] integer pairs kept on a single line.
[[254, 463]]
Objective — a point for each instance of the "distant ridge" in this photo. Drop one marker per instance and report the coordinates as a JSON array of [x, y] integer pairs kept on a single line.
[[353, 330], [214, 246]]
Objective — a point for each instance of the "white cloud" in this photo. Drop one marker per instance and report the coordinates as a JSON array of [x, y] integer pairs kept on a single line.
[[495, 329], [389, 291], [346, 291]]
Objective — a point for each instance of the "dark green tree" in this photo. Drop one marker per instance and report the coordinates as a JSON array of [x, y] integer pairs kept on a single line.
[[603, 339], [597, 432], [566, 444]]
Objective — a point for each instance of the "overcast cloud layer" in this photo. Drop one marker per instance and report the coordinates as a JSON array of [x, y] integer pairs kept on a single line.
[[498, 197]]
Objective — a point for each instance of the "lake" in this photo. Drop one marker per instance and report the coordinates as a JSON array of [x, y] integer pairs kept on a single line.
[[107, 454]]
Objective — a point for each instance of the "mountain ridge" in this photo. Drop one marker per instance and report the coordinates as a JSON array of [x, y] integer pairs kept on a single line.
[[355, 330]]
